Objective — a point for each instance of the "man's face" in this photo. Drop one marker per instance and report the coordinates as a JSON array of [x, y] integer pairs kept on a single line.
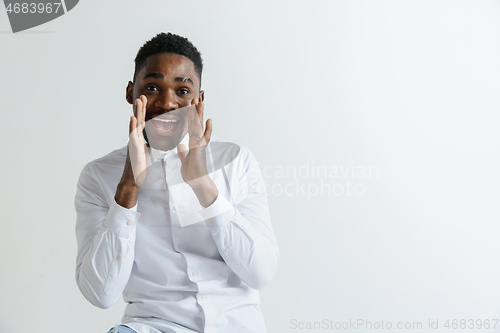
[[170, 82]]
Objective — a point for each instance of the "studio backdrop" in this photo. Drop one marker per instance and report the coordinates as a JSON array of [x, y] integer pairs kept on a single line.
[[375, 124]]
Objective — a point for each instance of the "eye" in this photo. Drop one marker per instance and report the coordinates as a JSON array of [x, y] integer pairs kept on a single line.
[[151, 88], [184, 91]]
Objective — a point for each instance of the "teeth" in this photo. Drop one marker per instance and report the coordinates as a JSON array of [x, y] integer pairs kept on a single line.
[[167, 120]]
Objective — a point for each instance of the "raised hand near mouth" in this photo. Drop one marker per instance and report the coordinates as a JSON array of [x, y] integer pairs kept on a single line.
[[136, 164], [194, 163]]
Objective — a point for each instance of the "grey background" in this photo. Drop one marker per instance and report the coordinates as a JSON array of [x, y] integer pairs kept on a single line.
[[409, 88]]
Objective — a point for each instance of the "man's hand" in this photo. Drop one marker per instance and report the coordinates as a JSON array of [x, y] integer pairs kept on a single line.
[[138, 150], [194, 164], [136, 164]]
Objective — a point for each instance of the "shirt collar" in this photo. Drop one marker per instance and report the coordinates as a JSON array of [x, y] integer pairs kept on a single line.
[[157, 154]]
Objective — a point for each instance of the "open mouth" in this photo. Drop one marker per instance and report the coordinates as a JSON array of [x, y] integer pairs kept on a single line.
[[166, 125]]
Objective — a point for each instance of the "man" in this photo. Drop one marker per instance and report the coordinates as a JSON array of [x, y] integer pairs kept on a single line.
[[179, 225]]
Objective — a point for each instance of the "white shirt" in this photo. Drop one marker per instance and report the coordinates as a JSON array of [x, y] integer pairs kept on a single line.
[[180, 267]]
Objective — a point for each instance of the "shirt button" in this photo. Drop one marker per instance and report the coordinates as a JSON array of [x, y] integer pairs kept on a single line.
[[129, 223], [194, 273], [118, 258], [203, 297], [226, 249], [170, 173], [180, 246], [209, 220], [174, 208]]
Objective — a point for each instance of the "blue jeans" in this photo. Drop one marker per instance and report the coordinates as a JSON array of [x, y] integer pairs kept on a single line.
[[121, 329]]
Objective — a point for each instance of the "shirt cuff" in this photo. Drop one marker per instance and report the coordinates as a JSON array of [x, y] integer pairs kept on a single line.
[[220, 206], [120, 220]]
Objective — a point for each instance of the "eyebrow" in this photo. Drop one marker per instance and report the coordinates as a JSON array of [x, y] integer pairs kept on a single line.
[[153, 75], [160, 76]]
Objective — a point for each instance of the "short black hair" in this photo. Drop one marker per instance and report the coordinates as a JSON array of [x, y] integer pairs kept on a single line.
[[169, 43]]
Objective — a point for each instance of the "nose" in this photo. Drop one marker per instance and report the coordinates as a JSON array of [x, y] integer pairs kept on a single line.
[[167, 100]]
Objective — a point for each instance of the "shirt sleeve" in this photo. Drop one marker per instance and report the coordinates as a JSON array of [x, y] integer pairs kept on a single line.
[[105, 234], [243, 232]]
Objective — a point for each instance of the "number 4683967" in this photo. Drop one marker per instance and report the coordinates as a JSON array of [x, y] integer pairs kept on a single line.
[[471, 324], [33, 8]]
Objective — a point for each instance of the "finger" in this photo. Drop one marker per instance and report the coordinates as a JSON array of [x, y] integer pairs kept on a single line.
[[130, 125], [201, 105], [133, 125], [199, 110], [138, 109], [144, 105], [134, 137], [196, 128], [137, 106], [208, 131]]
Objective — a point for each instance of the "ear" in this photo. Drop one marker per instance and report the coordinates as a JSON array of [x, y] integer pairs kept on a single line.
[[129, 92], [202, 95]]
